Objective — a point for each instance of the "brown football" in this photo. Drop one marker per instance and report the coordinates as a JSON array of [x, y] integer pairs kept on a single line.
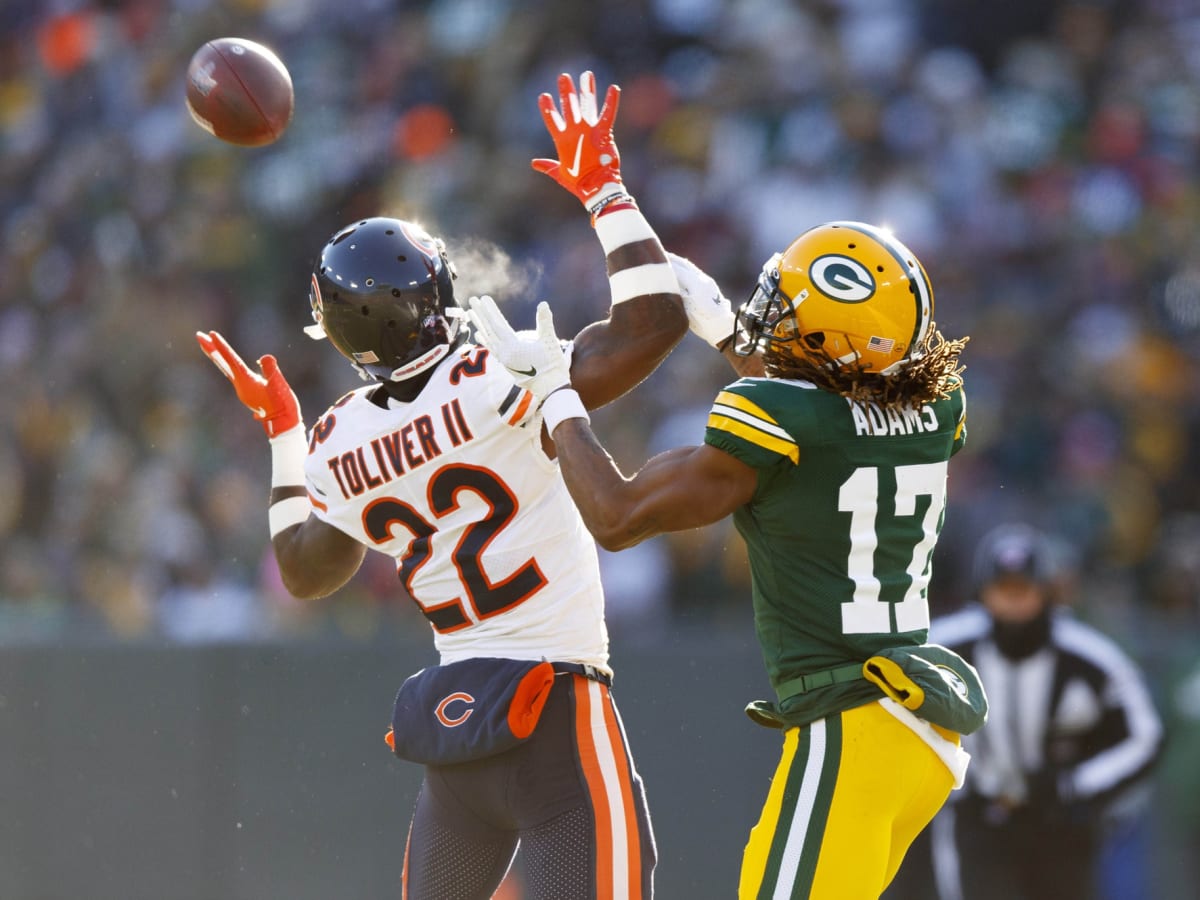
[[240, 91]]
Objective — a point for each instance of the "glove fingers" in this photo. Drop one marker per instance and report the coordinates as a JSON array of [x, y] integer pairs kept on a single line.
[[498, 324], [223, 356], [550, 115], [481, 327], [546, 167], [491, 322], [545, 324], [587, 97], [608, 114], [270, 367], [570, 99]]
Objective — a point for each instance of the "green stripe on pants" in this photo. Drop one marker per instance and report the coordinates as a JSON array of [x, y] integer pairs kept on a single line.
[[796, 844]]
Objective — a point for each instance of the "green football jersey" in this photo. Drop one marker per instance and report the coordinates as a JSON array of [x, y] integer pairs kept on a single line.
[[841, 529]]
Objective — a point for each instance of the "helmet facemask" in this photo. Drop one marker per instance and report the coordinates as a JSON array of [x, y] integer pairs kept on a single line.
[[767, 322], [764, 314]]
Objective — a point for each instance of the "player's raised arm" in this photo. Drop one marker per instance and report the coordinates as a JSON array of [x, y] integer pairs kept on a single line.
[[677, 490], [315, 559], [646, 319]]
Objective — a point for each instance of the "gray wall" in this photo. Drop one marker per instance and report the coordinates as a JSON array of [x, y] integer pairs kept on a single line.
[[257, 772]]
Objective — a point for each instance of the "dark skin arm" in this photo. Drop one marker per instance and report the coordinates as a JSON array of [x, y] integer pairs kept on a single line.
[[315, 559], [680, 489], [746, 366], [616, 354]]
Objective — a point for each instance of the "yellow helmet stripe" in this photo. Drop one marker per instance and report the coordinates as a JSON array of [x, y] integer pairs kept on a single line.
[[923, 294]]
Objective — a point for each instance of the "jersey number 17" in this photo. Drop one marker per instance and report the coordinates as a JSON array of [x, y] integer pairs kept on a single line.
[[859, 496]]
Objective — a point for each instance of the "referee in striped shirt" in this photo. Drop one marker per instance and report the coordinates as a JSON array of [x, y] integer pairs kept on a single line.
[[1071, 738]]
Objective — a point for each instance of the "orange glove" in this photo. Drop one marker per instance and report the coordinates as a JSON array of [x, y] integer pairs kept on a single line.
[[588, 163], [268, 396]]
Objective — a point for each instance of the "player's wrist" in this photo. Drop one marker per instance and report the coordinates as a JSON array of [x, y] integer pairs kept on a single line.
[[289, 449], [716, 328], [619, 226], [611, 195], [562, 404]]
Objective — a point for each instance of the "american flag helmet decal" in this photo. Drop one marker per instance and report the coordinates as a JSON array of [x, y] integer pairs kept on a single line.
[[883, 345]]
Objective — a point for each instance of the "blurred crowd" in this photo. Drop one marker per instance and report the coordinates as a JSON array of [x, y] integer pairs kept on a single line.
[[1039, 157]]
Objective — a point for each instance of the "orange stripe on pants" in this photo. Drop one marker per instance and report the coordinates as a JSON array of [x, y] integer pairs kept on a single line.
[[606, 771], [625, 776], [404, 868]]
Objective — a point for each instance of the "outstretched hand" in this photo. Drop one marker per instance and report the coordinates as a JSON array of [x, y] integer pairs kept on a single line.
[[588, 163], [710, 315], [536, 360], [268, 395]]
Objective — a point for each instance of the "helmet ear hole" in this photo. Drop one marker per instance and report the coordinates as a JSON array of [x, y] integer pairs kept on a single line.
[[815, 340]]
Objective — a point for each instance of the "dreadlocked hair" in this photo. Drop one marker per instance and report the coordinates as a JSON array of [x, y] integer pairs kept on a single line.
[[936, 374]]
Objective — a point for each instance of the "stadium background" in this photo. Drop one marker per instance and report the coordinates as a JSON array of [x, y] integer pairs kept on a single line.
[[173, 725]]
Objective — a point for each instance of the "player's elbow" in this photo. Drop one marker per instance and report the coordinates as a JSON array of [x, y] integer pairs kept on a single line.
[[302, 586], [305, 580], [612, 542], [615, 533]]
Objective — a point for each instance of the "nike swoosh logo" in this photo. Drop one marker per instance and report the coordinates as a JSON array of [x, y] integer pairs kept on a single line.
[[573, 170], [530, 372]]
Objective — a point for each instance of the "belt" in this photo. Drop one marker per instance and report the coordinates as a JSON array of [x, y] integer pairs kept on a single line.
[[813, 680], [585, 670]]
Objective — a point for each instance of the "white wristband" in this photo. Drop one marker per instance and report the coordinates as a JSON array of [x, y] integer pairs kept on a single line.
[[286, 513], [288, 452], [563, 404], [652, 278], [622, 226]]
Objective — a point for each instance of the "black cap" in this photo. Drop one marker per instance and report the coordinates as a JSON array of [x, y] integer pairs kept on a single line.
[[1014, 549]]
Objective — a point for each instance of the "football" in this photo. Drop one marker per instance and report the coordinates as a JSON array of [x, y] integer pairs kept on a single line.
[[240, 91]]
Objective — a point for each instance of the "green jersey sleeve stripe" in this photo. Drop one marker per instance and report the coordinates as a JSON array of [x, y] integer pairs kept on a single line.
[[765, 425], [754, 435]]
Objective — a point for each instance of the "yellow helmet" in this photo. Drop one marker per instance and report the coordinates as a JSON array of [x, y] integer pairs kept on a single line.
[[846, 288]]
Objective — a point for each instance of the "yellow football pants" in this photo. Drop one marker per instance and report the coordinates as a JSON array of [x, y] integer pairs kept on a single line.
[[851, 792]]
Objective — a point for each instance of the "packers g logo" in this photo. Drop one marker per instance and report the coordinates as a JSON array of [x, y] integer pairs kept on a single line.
[[955, 681], [841, 278]]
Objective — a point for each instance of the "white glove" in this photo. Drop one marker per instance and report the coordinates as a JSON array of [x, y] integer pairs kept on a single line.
[[536, 360], [710, 315]]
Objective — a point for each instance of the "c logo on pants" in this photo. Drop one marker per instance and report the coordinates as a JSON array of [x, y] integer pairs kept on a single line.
[[450, 721]]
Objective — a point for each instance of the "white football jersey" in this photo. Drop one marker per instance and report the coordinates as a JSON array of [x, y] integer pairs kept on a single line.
[[456, 488]]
